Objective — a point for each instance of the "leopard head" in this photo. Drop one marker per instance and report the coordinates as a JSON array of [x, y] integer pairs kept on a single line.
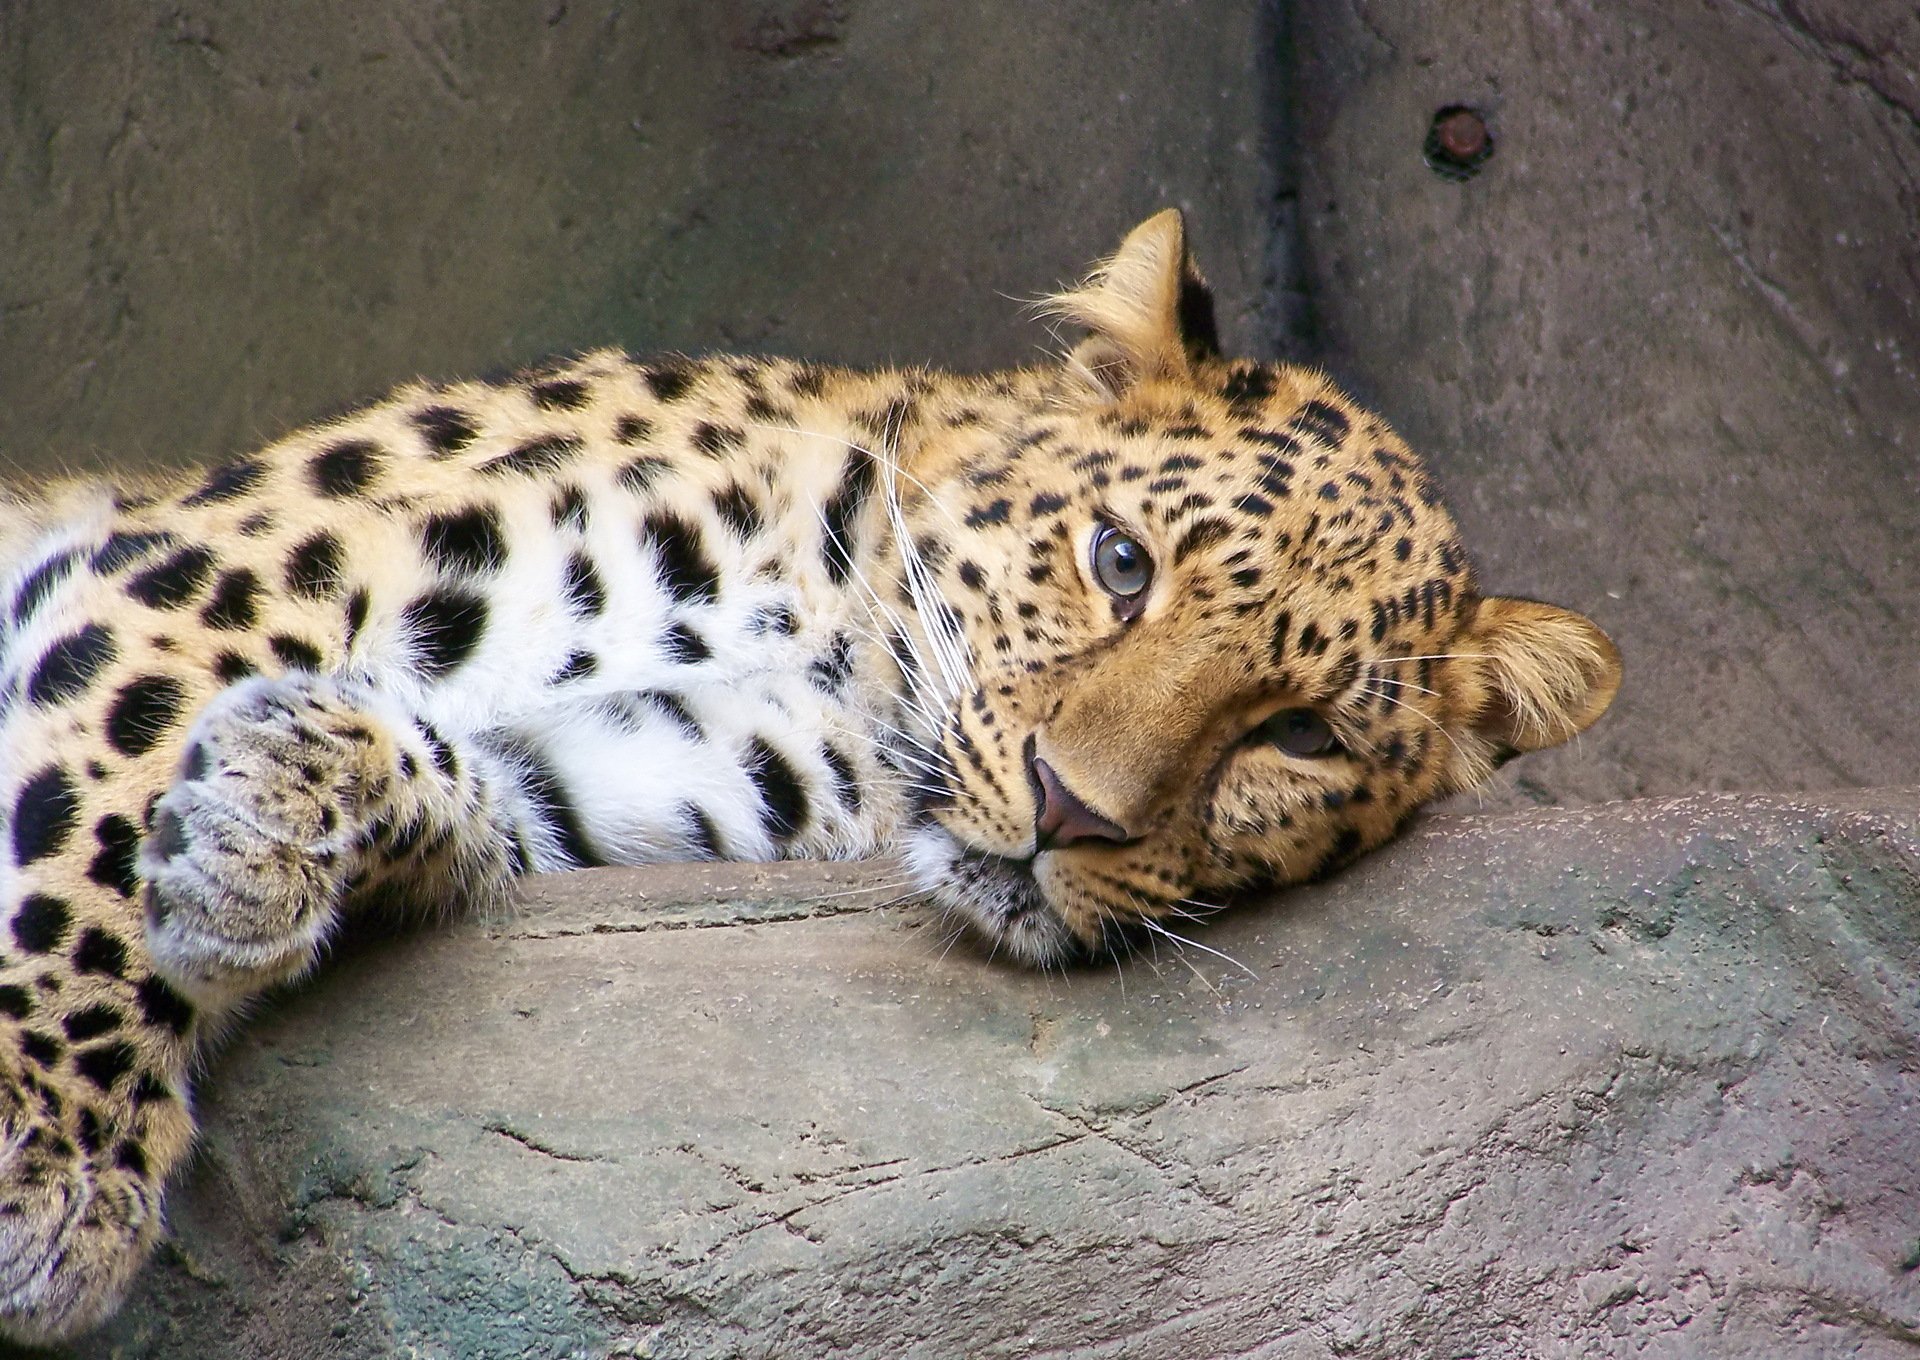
[[1209, 628]]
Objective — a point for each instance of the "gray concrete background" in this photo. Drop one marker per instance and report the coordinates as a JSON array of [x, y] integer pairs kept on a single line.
[[1663, 350], [219, 219]]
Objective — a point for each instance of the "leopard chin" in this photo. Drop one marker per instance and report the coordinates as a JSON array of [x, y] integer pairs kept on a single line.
[[994, 898], [1001, 903]]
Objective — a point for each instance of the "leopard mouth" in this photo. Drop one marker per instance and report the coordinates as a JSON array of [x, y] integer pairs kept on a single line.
[[996, 898]]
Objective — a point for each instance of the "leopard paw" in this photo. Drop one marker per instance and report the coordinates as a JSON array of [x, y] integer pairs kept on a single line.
[[248, 854], [76, 1223]]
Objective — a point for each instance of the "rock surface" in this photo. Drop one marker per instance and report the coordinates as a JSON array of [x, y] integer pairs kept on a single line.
[[1638, 1079]]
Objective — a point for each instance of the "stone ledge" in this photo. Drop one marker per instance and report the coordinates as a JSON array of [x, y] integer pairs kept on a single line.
[[1630, 1079]]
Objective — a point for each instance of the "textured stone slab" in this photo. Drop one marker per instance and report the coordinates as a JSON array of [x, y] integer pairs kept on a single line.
[[1631, 1080]]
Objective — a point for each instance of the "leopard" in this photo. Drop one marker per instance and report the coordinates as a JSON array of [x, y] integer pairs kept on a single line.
[[1085, 645]]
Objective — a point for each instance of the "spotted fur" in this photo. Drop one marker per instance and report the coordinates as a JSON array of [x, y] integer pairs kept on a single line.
[[614, 611]]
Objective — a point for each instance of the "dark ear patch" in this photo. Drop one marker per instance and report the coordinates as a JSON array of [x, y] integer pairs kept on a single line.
[[1199, 331]]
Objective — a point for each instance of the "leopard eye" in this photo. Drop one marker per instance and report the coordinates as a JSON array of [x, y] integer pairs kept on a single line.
[[1120, 564], [1299, 732]]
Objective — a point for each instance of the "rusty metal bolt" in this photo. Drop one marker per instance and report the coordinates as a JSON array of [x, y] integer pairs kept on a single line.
[[1458, 143]]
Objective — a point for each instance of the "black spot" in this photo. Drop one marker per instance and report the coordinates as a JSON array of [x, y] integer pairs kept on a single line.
[[689, 575], [1047, 503], [1280, 442], [256, 524], [170, 584], [561, 394], [465, 540], [535, 456], [631, 429], [346, 469], [971, 576], [994, 512], [70, 665], [1258, 506], [570, 509], [104, 1064], [296, 654], [763, 412], [684, 646], [15, 1001], [227, 481], [40, 925], [446, 430], [43, 1049], [100, 951], [669, 379], [443, 626], [578, 667], [740, 510], [231, 666], [783, 796], [702, 835], [142, 712], [840, 513], [92, 1022], [357, 605], [639, 475], [1320, 421], [44, 815], [674, 707], [443, 757], [833, 669], [313, 571], [90, 1132], [235, 603], [1282, 630], [129, 1157], [548, 797], [714, 440], [161, 1005], [586, 595], [41, 582], [124, 548], [1200, 534], [1247, 388], [846, 784]]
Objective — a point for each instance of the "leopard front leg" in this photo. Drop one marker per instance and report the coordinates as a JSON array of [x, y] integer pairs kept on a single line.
[[296, 795]]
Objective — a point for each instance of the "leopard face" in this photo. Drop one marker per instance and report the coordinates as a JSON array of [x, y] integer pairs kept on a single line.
[[1220, 633]]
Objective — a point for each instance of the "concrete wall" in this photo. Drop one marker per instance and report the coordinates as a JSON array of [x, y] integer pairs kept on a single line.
[[220, 218], [1664, 349]]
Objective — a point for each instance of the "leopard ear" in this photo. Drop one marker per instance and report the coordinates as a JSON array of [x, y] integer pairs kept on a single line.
[[1532, 675], [1147, 310]]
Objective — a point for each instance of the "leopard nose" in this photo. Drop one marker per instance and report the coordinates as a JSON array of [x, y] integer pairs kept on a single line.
[[1060, 818]]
